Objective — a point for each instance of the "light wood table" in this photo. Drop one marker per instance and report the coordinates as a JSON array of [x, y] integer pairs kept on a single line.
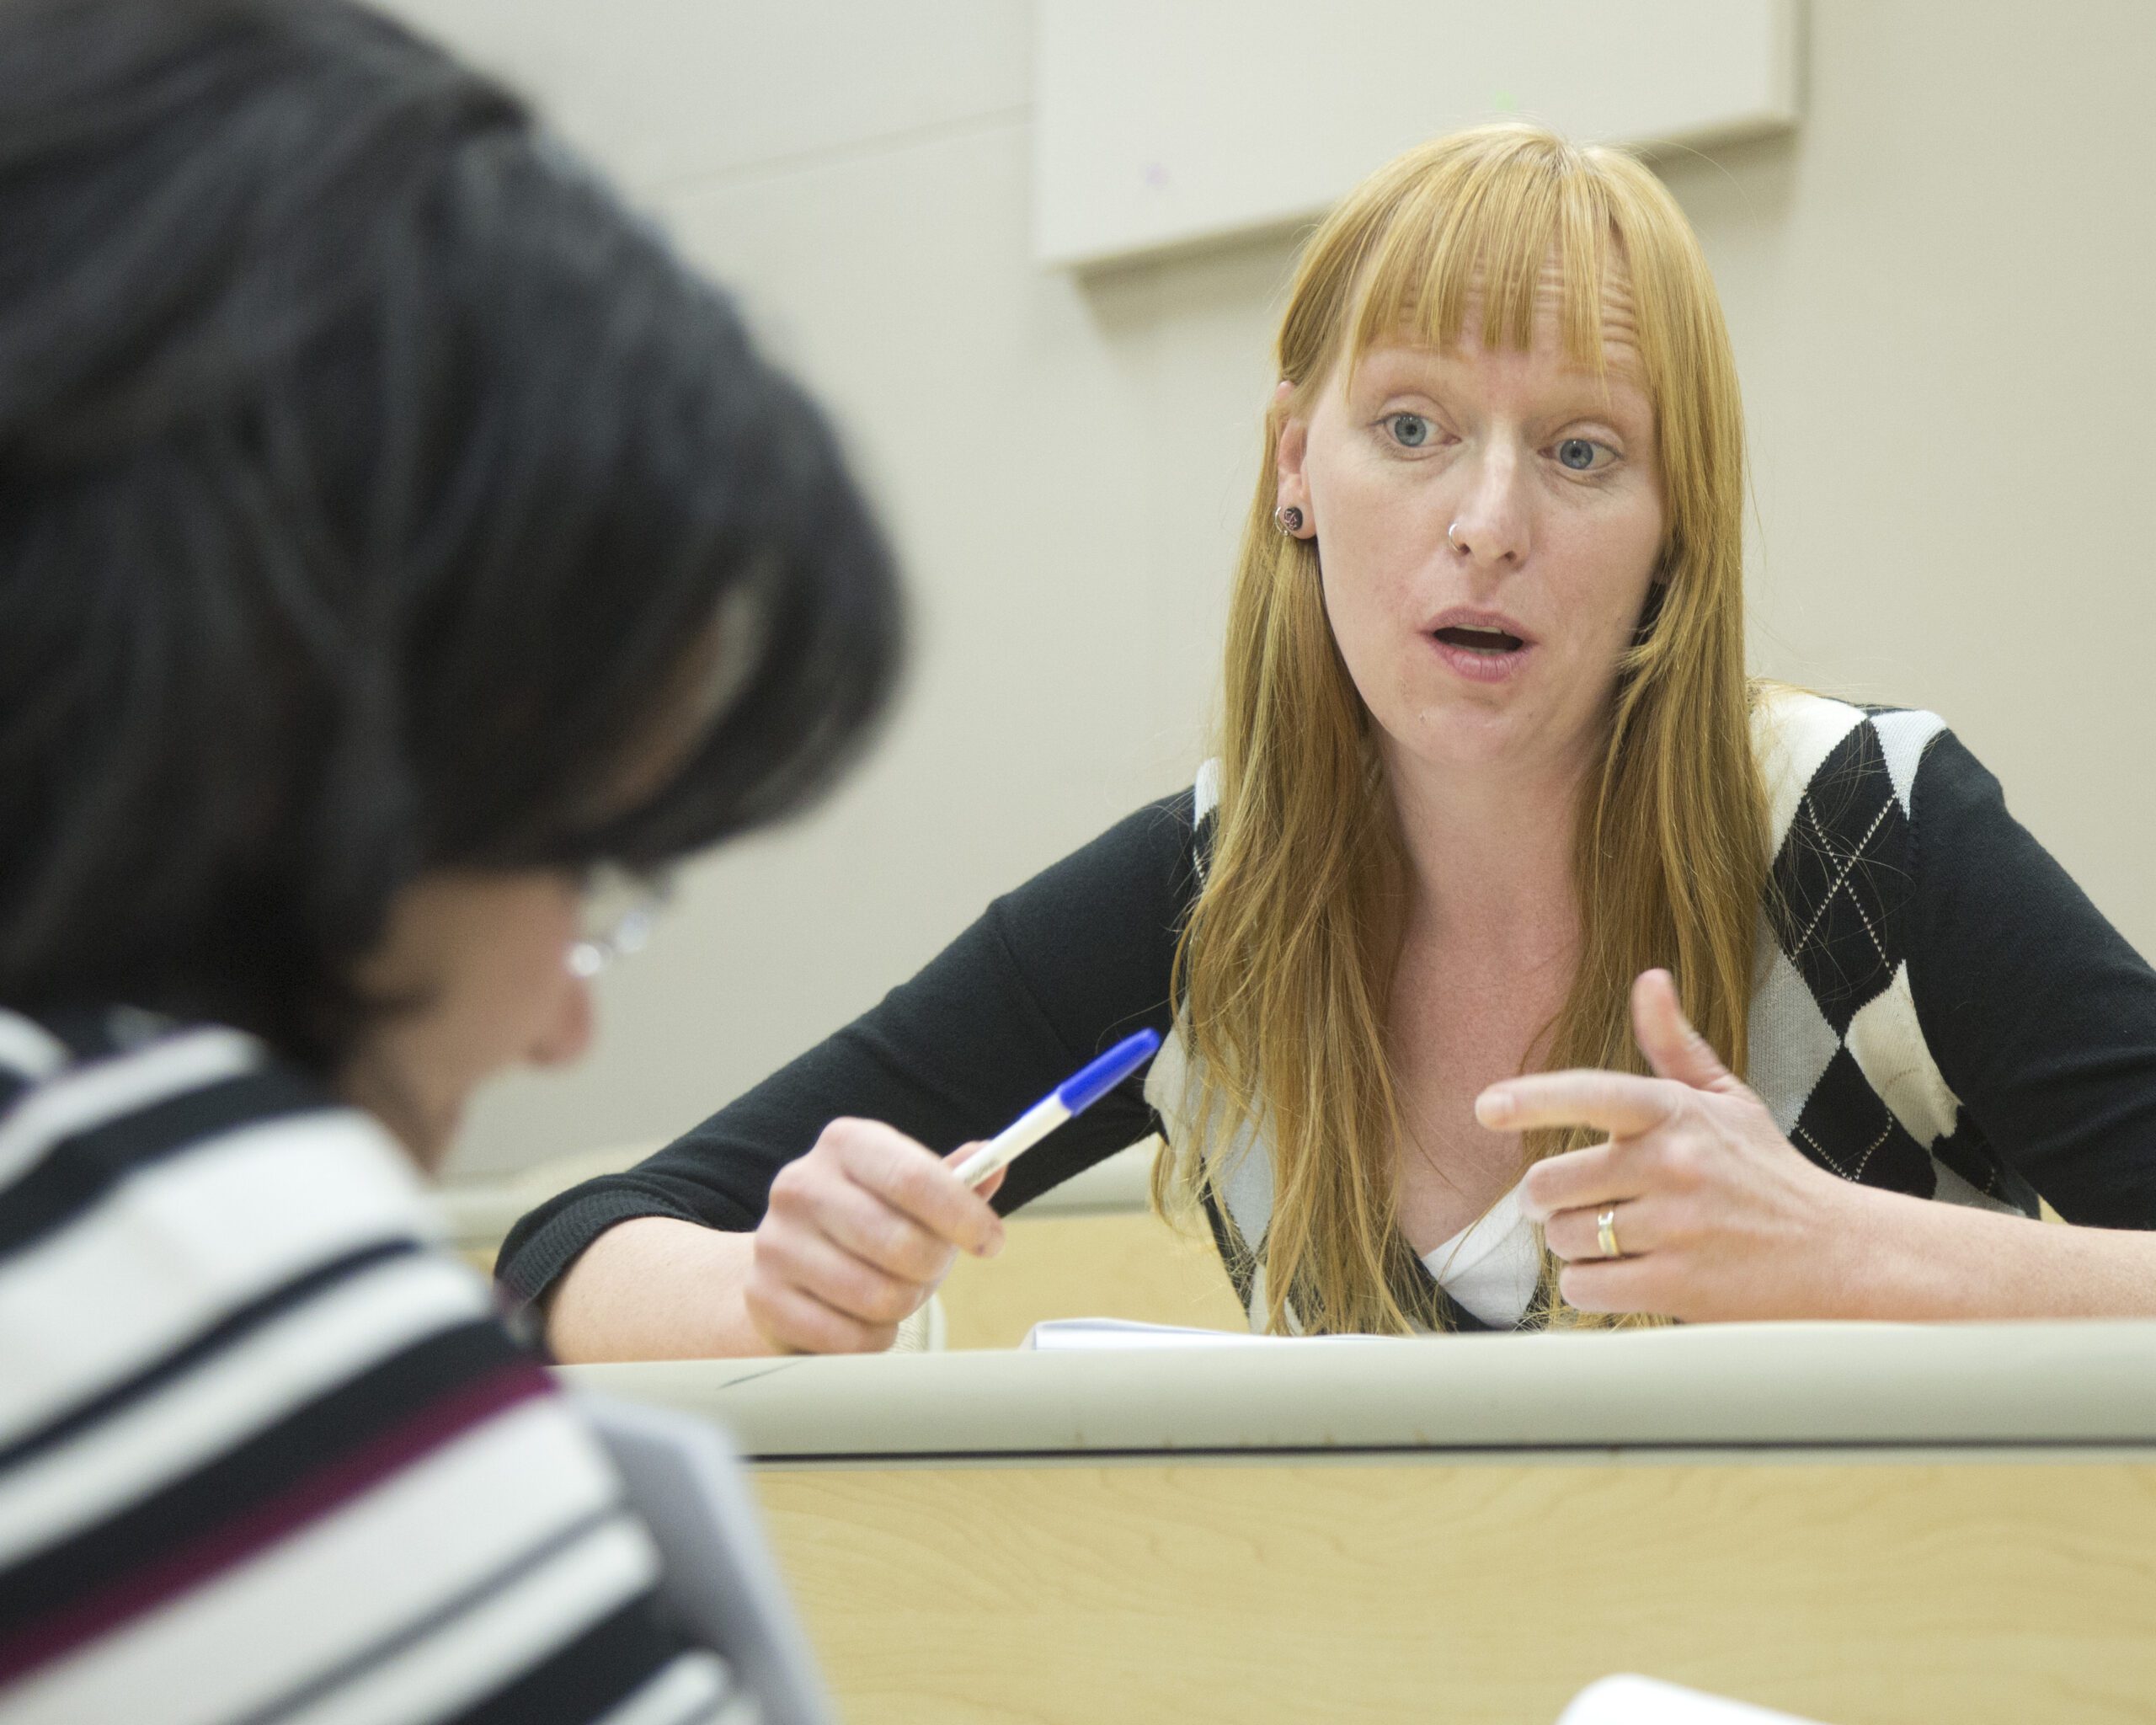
[[1861, 1523]]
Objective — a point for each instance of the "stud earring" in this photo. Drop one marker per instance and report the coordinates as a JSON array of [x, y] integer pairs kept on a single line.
[[1287, 518]]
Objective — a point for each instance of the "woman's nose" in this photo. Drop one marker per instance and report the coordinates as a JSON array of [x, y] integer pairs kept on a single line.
[[1489, 525], [567, 1034]]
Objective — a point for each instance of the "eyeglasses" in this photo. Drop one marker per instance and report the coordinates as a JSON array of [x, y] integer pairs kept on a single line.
[[615, 918]]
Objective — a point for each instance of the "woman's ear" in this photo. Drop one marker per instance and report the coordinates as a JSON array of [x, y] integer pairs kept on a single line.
[[1291, 490]]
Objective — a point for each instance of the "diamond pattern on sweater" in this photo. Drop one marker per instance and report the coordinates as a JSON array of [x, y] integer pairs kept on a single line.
[[1791, 1040], [1888, 1046], [1848, 1131], [1875, 1106]]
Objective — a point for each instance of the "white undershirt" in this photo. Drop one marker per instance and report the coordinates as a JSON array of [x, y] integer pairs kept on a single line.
[[1491, 1268]]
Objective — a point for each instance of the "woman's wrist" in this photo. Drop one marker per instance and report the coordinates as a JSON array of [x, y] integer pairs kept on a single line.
[[1877, 1258], [655, 1288], [1917, 1260]]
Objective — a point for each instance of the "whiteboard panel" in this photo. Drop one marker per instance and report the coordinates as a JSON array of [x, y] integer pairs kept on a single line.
[[1165, 123]]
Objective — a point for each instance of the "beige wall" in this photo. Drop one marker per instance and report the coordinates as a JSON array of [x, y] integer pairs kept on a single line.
[[1939, 292]]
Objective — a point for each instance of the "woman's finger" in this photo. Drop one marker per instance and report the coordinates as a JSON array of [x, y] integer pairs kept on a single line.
[[818, 1266], [1620, 1104], [986, 1189], [916, 1182], [859, 1221], [797, 1322], [1666, 1037], [1616, 1285], [1600, 1173], [1576, 1235]]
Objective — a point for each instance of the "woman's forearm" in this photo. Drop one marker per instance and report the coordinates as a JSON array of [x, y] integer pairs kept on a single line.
[[1913, 1258], [653, 1288]]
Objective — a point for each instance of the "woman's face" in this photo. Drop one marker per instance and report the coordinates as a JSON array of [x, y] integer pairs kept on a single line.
[[1489, 522], [484, 958]]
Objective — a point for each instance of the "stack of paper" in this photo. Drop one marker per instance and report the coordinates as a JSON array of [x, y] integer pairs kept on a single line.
[[1065, 1334]]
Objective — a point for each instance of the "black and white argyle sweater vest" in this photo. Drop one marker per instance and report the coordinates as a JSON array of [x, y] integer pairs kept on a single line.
[[1837, 1053]]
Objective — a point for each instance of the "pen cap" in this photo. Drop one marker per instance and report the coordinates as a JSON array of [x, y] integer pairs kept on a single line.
[[1083, 1089]]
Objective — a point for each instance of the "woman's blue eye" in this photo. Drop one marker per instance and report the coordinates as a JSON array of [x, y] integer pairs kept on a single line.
[[1411, 430], [1577, 453]]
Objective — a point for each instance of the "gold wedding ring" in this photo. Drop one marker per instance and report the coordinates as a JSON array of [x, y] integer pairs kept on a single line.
[[1606, 1233]]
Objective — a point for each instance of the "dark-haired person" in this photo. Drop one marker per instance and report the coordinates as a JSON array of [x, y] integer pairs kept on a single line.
[[395, 541]]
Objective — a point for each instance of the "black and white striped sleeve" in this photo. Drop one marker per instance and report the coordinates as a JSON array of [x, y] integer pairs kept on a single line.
[[265, 1453], [1049, 975]]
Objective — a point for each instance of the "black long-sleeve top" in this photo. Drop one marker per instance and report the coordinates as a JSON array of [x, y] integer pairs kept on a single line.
[[1942, 1010]]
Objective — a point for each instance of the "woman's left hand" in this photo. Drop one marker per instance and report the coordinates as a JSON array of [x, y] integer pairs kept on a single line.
[[1716, 1215]]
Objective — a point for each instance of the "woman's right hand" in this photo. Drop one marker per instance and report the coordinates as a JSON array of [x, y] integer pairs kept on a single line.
[[858, 1234]]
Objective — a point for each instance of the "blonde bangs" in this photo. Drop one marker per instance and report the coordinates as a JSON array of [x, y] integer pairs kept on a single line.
[[1486, 227]]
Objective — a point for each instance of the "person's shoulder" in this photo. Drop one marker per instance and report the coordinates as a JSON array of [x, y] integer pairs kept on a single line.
[[227, 1285], [1205, 791], [162, 1180], [119, 1106], [1161, 840], [1124, 893], [116, 1089], [1180, 818], [1184, 825], [1837, 755]]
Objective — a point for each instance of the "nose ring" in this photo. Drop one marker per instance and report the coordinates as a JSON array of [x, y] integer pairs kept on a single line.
[[1451, 538]]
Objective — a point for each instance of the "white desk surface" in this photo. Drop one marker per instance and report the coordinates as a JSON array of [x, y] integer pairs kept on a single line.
[[2082, 1384]]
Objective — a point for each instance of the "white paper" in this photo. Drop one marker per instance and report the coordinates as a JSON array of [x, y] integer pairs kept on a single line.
[[1107, 1335], [1643, 1700]]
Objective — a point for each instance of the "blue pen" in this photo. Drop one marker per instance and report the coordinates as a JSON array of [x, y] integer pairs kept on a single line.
[[1073, 1096]]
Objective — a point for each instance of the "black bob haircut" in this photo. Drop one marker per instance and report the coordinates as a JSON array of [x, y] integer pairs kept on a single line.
[[376, 496]]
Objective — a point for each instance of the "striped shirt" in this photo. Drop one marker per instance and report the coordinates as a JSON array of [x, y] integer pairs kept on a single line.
[[266, 1452]]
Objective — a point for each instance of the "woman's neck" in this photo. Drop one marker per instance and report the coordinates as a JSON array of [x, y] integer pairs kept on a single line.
[[1489, 854], [1489, 950]]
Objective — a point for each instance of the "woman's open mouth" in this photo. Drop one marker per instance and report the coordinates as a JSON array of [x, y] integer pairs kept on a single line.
[[1480, 640], [1483, 650]]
